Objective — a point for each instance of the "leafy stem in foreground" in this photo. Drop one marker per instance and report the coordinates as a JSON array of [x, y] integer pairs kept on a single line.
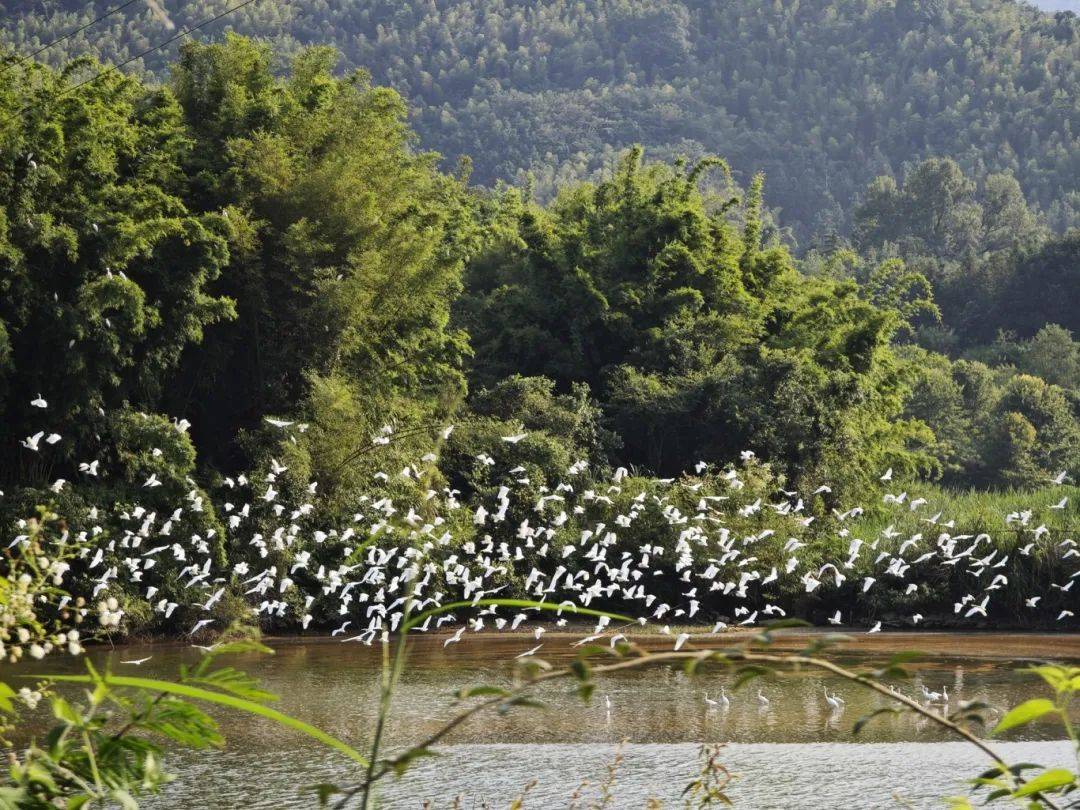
[[392, 673], [229, 701], [693, 659]]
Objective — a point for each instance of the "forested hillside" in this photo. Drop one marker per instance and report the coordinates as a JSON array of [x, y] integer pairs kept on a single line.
[[244, 274], [371, 317], [821, 95], [236, 247]]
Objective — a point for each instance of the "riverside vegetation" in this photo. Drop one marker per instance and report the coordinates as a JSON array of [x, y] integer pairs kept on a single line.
[[106, 746], [264, 364], [237, 248], [821, 95]]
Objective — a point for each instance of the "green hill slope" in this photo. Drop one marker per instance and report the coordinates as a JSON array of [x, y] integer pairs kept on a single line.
[[821, 95]]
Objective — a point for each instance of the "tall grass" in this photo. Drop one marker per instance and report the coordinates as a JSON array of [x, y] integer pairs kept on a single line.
[[1030, 548]]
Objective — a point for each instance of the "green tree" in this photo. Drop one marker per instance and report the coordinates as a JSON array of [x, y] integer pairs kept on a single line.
[[822, 96], [1054, 355], [698, 340], [1041, 287], [106, 273], [967, 239], [346, 250], [1053, 441]]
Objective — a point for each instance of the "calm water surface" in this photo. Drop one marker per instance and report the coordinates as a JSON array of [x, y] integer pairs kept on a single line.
[[657, 721]]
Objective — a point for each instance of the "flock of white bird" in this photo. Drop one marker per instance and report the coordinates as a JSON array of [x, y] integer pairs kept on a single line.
[[393, 557]]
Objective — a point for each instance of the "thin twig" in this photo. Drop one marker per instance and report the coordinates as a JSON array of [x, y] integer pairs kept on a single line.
[[646, 658], [137, 718]]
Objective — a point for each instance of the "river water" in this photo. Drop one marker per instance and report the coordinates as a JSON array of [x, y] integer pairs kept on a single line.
[[646, 725]]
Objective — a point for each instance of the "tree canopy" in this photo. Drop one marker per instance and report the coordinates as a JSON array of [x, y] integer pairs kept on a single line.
[[698, 340], [821, 95], [256, 270]]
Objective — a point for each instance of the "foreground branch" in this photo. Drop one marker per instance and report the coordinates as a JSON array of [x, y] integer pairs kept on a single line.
[[644, 658]]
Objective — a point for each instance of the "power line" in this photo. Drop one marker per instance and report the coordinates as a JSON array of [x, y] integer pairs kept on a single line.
[[58, 40], [169, 41]]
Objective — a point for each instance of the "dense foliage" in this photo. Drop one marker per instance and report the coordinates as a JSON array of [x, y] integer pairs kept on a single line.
[[346, 248], [333, 249], [326, 255], [263, 361], [698, 340], [821, 95], [1006, 410], [246, 279]]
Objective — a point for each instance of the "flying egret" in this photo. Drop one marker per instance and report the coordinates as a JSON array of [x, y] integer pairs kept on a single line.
[[31, 442]]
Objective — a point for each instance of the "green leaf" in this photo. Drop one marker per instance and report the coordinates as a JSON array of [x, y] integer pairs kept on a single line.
[[6, 694], [905, 657], [521, 701], [532, 666], [580, 669], [481, 691], [525, 701], [402, 763], [185, 690], [324, 791], [972, 718], [1024, 713], [1053, 675], [1020, 767], [1046, 781], [35, 773], [748, 673], [184, 723], [891, 671], [585, 691], [238, 683], [124, 799], [590, 650], [247, 645], [959, 803], [64, 712], [866, 718]]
